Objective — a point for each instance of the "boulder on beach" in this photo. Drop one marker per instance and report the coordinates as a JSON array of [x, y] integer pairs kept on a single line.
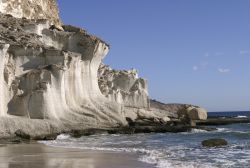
[[216, 142]]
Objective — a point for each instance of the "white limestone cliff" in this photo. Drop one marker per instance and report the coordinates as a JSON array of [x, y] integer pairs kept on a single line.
[[56, 78], [47, 75], [123, 87], [32, 9], [52, 79]]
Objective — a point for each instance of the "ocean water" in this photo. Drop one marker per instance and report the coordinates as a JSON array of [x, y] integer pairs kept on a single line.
[[173, 150], [233, 114]]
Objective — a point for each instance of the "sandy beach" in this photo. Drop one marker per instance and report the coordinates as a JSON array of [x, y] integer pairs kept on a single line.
[[36, 155]]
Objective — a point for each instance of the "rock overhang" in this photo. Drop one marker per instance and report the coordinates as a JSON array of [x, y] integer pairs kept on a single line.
[[53, 74], [32, 9]]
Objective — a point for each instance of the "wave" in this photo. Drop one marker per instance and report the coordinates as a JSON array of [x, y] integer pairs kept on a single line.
[[158, 158], [161, 161], [227, 130], [195, 131], [169, 150], [63, 137], [241, 116], [198, 131], [222, 129]]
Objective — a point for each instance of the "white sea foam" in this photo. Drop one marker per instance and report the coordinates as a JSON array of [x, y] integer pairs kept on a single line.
[[222, 129], [178, 164], [194, 131], [241, 132], [227, 130], [122, 142], [165, 150], [198, 131], [164, 162], [240, 116], [62, 137], [159, 158]]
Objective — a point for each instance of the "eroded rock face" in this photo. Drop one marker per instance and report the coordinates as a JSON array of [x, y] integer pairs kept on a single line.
[[189, 112], [47, 74], [51, 74], [169, 109], [197, 113], [53, 80], [32, 9], [124, 87]]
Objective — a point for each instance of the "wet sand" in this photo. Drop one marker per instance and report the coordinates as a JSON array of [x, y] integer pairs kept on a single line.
[[35, 155]]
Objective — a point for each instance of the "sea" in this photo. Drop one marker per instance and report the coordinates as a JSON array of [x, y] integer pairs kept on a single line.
[[175, 150]]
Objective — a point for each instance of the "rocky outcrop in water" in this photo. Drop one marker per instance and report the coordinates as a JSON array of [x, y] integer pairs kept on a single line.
[[52, 78], [216, 142]]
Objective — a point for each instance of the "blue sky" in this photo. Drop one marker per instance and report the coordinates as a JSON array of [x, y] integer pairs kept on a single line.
[[190, 51]]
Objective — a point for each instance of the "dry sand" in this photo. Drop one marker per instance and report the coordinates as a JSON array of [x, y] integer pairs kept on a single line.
[[35, 155]]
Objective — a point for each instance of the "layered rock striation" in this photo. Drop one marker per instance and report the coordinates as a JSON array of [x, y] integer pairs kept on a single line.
[[48, 74], [32, 9], [52, 78], [124, 87]]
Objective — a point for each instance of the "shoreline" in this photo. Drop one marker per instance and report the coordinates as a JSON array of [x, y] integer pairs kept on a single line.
[[38, 155], [174, 126], [35, 154]]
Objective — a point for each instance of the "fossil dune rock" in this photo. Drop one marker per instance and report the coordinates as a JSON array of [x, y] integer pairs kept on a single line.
[[55, 77], [197, 113], [189, 112], [32, 9], [52, 78], [123, 87]]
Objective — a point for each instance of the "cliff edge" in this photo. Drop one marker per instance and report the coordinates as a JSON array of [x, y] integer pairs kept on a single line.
[[32, 9]]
